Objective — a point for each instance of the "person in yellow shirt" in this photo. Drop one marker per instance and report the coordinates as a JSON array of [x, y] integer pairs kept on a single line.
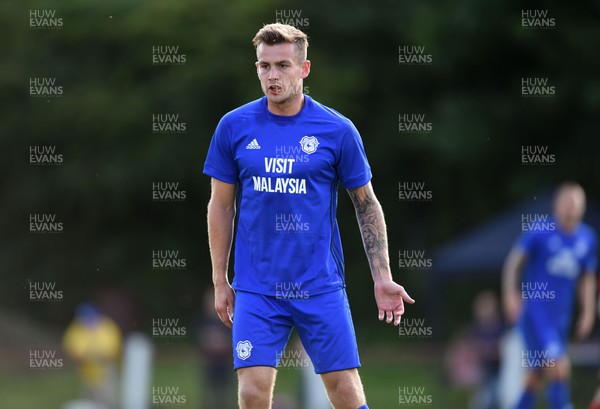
[[93, 341]]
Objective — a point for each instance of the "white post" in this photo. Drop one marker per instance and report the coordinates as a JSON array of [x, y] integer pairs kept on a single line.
[[137, 371], [315, 396], [512, 373]]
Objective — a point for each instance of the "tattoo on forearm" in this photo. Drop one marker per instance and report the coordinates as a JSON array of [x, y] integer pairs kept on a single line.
[[372, 228]]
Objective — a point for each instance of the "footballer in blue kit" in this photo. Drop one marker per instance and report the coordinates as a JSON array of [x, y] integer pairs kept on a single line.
[[275, 166], [556, 262], [287, 202]]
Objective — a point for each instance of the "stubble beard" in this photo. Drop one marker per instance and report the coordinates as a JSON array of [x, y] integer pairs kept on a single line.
[[284, 99]]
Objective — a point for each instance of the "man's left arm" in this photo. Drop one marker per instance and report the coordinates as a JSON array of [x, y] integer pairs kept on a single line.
[[587, 295], [389, 295]]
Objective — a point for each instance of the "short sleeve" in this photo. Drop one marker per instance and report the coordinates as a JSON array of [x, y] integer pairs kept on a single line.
[[525, 243], [353, 167], [220, 162]]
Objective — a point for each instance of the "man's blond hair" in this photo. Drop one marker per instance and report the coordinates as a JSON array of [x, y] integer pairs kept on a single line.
[[282, 33]]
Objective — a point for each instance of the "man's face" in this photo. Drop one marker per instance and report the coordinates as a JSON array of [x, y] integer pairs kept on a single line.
[[281, 72], [569, 208]]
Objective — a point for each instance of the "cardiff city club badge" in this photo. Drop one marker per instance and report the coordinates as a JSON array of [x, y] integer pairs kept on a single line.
[[309, 144], [243, 349]]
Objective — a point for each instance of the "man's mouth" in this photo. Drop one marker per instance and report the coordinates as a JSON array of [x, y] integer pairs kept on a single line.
[[274, 89]]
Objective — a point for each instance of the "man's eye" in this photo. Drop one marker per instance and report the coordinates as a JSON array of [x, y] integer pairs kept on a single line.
[[283, 65]]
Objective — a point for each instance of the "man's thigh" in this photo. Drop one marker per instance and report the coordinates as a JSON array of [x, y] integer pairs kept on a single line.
[[259, 377], [543, 342], [261, 329], [255, 386], [324, 325]]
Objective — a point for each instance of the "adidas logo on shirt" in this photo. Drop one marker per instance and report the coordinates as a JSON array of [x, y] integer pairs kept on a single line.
[[253, 145]]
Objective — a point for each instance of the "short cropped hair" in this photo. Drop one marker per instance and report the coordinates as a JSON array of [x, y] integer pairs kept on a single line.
[[567, 186], [282, 33]]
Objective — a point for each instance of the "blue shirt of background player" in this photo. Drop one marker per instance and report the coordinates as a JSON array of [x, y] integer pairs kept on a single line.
[[287, 237], [555, 261]]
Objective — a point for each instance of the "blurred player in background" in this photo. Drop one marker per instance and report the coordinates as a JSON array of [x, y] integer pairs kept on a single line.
[[277, 163], [472, 358], [486, 331], [546, 271], [214, 342], [93, 341]]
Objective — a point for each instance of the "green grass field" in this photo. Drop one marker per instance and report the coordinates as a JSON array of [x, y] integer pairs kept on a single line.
[[180, 367], [383, 371]]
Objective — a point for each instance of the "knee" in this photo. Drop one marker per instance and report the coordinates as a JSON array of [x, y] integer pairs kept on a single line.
[[533, 381], [254, 394], [561, 370], [346, 389]]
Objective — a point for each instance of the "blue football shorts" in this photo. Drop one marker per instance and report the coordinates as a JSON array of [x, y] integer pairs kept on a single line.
[[544, 336], [263, 324]]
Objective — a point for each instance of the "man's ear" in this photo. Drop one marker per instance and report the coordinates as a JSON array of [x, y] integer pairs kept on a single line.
[[305, 69]]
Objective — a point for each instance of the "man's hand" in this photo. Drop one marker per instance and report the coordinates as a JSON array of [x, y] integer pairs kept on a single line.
[[224, 301], [390, 299]]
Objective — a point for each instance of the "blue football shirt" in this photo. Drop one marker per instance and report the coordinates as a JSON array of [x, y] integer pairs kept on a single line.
[[555, 262], [287, 170]]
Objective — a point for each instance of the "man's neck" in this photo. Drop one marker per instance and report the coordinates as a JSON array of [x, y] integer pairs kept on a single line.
[[567, 229], [287, 108]]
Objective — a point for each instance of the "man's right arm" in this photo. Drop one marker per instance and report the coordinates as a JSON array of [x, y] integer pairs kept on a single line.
[[511, 279], [221, 214]]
